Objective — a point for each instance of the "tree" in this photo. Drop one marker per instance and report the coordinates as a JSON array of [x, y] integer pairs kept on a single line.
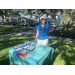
[[69, 15], [66, 17], [8, 13], [30, 12], [48, 12], [3, 12]]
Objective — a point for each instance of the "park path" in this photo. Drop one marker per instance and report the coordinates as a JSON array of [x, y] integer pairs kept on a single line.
[[16, 34], [33, 32]]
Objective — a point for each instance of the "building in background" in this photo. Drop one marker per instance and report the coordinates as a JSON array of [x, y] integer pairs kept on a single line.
[[8, 19], [57, 19], [26, 20], [17, 19], [13, 19]]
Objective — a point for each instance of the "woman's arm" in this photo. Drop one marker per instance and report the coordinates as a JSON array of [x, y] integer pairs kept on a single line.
[[36, 36], [51, 30]]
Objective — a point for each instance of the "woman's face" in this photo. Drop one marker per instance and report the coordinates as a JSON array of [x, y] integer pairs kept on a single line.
[[43, 21]]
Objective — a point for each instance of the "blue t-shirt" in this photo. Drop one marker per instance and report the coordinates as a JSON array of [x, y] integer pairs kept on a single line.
[[43, 31]]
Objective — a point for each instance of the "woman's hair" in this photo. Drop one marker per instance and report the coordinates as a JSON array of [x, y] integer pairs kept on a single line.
[[45, 20]]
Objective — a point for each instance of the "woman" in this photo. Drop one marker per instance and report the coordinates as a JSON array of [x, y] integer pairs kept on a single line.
[[43, 30]]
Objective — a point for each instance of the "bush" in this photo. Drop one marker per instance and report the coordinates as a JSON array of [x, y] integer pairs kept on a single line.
[[65, 32], [61, 25], [17, 22], [67, 26], [72, 33]]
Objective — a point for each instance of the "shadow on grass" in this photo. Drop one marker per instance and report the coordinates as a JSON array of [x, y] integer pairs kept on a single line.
[[60, 47], [5, 61], [55, 54], [67, 53], [10, 43], [6, 43], [10, 29]]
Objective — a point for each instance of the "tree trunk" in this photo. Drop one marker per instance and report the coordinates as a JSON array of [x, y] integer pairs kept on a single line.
[[39, 19], [47, 15], [31, 15], [72, 22], [2, 18]]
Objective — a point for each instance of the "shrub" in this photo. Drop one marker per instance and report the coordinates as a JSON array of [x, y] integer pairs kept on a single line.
[[65, 32]]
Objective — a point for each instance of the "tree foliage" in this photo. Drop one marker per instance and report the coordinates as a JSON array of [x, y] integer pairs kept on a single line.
[[69, 15], [31, 12]]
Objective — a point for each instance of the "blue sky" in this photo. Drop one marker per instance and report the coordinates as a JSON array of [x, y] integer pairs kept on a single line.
[[29, 16], [23, 15], [26, 16]]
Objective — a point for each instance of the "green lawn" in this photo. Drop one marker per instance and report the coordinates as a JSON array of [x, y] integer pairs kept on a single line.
[[4, 29], [64, 53]]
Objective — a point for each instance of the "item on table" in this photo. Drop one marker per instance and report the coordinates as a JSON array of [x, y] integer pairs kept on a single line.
[[24, 51], [14, 48], [19, 53], [24, 56], [28, 47], [25, 47], [19, 49], [24, 44], [28, 43], [37, 46]]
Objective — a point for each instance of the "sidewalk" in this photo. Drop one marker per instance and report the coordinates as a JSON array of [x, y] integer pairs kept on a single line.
[[16, 34], [63, 39], [33, 32]]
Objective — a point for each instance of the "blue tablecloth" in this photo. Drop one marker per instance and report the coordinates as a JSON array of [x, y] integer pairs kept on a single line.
[[37, 56]]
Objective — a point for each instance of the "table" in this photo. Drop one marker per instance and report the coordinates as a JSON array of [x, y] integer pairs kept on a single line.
[[37, 56]]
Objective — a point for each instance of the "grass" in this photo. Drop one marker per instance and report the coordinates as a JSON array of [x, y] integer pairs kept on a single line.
[[4, 29], [7, 44], [64, 53]]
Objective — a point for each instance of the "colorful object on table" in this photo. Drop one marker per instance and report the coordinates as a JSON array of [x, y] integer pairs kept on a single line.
[[19, 53], [14, 48], [24, 56], [17, 47], [24, 44], [24, 51]]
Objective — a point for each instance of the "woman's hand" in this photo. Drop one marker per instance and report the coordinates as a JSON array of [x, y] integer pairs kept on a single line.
[[51, 30], [34, 41], [36, 36]]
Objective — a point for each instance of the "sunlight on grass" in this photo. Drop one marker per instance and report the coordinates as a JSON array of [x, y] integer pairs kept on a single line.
[[64, 52], [13, 29], [7, 44]]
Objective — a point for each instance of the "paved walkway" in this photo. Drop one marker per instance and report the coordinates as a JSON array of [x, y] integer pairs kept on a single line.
[[33, 32], [16, 34]]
